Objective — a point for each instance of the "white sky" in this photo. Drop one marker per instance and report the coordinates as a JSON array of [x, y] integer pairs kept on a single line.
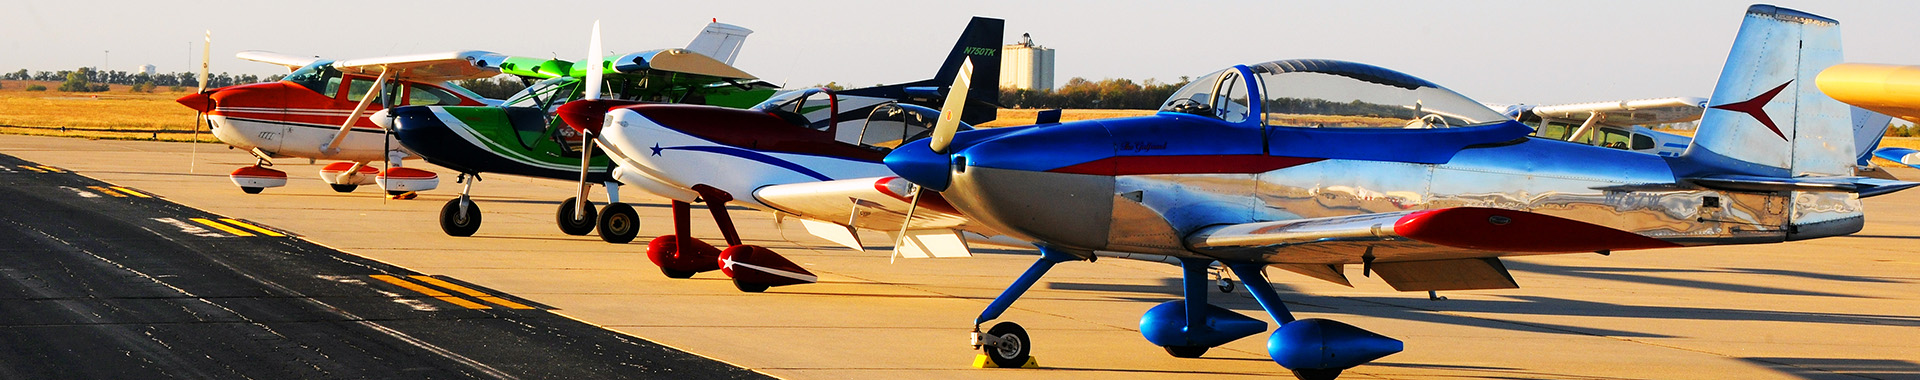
[[1493, 51]]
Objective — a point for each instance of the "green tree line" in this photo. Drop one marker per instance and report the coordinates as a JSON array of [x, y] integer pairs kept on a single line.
[[1080, 93], [90, 77]]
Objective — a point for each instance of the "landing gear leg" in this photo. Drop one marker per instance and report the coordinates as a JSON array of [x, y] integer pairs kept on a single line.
[[1006, 345]]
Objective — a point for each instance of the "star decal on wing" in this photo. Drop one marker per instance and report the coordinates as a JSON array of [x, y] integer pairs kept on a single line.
[[656, 149], [1756, 107]]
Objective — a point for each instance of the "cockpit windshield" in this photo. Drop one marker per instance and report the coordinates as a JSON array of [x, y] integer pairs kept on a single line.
[[318, 76], [1336, 94], [811, 108], [547, 93]]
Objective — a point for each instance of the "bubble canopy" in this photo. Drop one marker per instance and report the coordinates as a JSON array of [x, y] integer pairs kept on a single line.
[[1327, 94]]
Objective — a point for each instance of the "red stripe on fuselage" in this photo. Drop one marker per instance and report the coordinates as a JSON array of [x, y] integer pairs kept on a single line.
[[1495, 229], [1191, 164]]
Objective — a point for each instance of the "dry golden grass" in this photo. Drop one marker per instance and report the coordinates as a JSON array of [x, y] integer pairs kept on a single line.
[[44, 112], [1017, 117]]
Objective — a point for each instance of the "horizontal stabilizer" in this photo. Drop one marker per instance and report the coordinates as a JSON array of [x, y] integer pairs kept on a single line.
[[1904, 156], [1866, 187]]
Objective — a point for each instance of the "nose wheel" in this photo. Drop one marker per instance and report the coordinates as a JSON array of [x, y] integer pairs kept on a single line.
[[1006, 345], [460, 217], [575, 226]]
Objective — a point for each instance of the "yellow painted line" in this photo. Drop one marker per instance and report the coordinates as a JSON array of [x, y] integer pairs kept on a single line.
[[222, 227], [53, 169], [471, 293], [430, 292], [33, 168], [106, 191], [250, 226], [132, 192]]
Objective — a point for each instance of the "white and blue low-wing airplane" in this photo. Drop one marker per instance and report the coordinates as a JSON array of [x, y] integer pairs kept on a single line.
[[1311, 165]]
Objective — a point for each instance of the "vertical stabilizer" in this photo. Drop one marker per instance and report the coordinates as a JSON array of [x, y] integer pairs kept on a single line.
[[720, 41], [981, 41], [1767, 117]]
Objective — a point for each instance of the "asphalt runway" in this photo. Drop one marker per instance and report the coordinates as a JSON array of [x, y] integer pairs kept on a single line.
[[1837, 308], [101, 281]]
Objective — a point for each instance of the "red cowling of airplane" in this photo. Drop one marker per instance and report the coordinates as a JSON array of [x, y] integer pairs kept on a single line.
[[586, 116], [758, 266], [408, 179]]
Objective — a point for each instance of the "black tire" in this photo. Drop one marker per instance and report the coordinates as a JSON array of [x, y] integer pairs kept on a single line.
[[746, 287], [251, 190], [1016, 348], [1226, 285], [1316, 374], [453, 225], [674, 273], [340, 188], [1187, 352], [577, 228], [396, 192], [619, 224]]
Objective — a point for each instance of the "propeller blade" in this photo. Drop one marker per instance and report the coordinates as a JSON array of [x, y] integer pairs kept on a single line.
[[950, 112], [596, 62], [206, 54]]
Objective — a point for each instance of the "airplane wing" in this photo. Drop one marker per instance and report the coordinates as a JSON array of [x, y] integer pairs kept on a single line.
[[832, 209], [680, 64], [292, 62], [720, 41], [430, 67], [1439, 249], [1630, 112]]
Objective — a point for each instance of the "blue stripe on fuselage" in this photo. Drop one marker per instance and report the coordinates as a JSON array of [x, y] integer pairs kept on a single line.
[[756, 156]]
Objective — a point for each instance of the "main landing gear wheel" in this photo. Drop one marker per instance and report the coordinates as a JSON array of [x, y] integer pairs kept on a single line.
[[619, 224], [571, 226], [676, 274], [749, 288], [252, 190], [453, 224], [342, 188], [1316, 374], [1187, 352], [1013, 350]]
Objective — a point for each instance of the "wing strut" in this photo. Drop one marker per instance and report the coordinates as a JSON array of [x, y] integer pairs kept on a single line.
[[333, 146]]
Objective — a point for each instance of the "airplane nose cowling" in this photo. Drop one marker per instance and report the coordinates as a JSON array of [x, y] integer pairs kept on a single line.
[[918, 163], [202, 101]]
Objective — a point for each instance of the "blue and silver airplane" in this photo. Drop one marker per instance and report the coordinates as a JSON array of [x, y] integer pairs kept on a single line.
[[1312, 165]]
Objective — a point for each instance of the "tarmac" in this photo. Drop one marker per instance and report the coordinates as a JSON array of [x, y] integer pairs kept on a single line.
[[1846, 307]]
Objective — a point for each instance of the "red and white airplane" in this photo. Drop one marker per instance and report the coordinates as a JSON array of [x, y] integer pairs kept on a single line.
[[323, 111], [797, 142]]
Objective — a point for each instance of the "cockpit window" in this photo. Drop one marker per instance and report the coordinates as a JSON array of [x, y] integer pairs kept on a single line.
[[1335, 94], [811, 108], [317, 76], [1196, 98], [893, 124], [546, 94]]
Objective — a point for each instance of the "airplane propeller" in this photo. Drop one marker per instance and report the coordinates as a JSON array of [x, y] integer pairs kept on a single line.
[[592, 82], [200, 114], [943, 131]]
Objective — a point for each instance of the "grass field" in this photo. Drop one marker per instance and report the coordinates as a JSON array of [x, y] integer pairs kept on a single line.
[[45, 113]]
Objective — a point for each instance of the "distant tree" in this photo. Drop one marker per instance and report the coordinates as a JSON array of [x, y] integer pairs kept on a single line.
[[831, 86], [35, 87], [77, 81]]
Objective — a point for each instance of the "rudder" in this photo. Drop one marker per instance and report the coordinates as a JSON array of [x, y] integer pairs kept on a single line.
[[1767, 118]]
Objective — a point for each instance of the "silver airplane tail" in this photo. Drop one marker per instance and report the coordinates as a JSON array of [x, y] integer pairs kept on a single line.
[[1767, 118]]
